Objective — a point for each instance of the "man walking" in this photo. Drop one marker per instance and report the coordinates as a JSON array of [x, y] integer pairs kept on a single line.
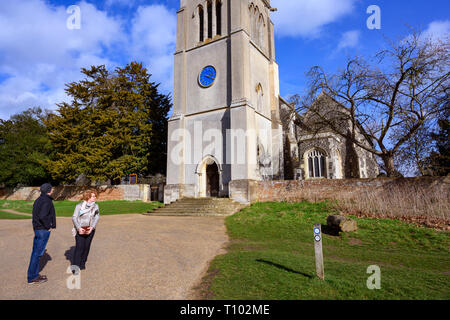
[[44, 219]]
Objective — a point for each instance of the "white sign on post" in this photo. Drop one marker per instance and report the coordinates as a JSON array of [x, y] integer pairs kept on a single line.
[[318, 251]]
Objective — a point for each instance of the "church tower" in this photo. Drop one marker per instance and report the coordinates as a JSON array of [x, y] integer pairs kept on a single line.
[[225, 129]]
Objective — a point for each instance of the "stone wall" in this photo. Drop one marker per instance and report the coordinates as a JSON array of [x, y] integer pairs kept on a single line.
[[244, 191], [411, 196], [326, 189], [119, 192]]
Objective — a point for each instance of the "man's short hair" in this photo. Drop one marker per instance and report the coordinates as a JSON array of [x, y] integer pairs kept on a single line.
[[46, 188]]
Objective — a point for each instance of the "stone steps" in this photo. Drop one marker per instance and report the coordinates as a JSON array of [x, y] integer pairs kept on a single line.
[[199, 207]]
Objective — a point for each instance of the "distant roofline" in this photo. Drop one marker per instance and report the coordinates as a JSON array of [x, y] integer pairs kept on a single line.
[[358, 124], [326, 95], [284, 100], [290, 105]]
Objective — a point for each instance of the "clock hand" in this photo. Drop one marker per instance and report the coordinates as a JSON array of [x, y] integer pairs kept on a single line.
[[209, 77]]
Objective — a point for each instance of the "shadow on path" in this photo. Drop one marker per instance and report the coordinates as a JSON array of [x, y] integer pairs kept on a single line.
[[69, 254], [44, 259]]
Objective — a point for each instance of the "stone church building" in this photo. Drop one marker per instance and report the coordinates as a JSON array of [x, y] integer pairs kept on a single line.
[[229, 125], [313, 150]]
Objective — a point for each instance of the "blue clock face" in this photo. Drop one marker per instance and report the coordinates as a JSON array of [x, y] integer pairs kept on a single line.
[[207, 76]]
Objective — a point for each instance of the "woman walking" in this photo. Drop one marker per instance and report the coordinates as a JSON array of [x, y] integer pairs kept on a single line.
[[85, 219]]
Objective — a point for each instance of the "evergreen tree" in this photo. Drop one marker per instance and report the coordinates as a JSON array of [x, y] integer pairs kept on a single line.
[[439, 160], [24, 149], [112, 127]]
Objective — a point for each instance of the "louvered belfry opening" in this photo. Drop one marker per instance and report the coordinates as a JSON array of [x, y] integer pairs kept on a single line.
[[202, 23], [219, 17], [209, 19]]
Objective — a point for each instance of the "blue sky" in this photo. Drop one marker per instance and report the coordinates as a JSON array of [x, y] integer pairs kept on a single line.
[[39, 54]]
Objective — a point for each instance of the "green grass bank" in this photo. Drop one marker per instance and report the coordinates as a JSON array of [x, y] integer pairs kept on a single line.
[[66, 208], [271, 256]]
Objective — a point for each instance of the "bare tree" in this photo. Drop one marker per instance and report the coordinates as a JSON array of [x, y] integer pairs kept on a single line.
[[388, 101], [411, 157]]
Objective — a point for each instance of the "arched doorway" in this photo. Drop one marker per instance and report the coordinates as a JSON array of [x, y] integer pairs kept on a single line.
[[212, 180], [208, 177]]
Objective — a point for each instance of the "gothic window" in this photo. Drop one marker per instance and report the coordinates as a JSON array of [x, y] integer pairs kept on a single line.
[[257, 26], [209, 9], [261, 32], [253, 10], [252, 21], [260, 98], [219, 17], [209, 20], [316, 164], [202, 23]]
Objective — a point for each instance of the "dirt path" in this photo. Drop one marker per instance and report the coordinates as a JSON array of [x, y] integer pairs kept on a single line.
[[17, 212], [132, 257]]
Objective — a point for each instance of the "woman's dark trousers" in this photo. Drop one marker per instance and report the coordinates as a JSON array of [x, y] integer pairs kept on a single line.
[[82, 246]]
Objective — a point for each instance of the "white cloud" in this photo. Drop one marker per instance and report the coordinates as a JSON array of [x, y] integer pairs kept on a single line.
[[40, 54], [122, 3], [437, 30], [307, 17], [153, 41], [349, 39]]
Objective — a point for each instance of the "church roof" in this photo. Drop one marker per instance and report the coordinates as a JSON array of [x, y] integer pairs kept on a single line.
[[329, 106]]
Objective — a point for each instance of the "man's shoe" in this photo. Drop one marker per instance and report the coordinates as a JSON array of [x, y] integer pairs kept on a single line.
[[39, 279]]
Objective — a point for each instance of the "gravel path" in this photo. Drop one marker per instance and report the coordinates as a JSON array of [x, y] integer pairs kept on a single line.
[[17, 212], [132, 257]]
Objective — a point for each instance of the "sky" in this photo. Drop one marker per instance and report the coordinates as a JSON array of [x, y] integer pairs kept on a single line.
[[42, 48]]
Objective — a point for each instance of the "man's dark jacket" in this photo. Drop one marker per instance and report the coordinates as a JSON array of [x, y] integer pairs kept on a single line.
[[44, 216]]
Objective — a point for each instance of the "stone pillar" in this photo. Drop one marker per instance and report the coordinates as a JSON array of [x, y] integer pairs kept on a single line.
[[214, 19], [146, 196], [205, 21]]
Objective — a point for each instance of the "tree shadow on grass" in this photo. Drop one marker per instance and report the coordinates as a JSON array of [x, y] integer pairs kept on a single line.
[[279, 266]]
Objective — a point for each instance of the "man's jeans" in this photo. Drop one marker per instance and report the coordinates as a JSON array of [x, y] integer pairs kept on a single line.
[[39, 244]]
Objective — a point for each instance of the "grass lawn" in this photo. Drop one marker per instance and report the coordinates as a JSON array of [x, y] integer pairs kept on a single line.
[[271, 256], [66, 208]]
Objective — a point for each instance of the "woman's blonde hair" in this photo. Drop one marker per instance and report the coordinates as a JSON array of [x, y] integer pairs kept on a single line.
[[87, 194]]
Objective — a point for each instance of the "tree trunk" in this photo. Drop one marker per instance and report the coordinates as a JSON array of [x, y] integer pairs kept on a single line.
[[389, 165]]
